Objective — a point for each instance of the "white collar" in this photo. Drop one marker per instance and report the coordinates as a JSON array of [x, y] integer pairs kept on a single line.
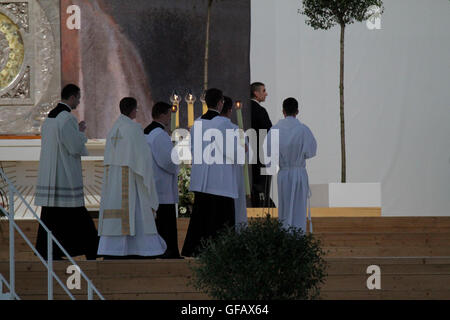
[[160, 123], [66, 105], [214, 110]]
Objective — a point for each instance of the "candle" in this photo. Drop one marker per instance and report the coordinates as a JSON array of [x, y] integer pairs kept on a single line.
[[239, 114], [175, 99], [173, 118], [190, 114], [204, 105], [178, 116], [241, 126], [190, 99]]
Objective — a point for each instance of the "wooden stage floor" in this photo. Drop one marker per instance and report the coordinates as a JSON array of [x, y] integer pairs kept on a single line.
[[413, 254]]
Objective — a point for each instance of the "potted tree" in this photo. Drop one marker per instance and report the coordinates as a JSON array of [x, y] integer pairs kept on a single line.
[[324, 14]]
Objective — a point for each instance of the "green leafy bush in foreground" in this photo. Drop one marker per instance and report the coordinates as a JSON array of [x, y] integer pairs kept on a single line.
[[263, 261]]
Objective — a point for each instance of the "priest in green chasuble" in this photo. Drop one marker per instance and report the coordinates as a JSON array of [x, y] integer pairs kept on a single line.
[[129, 197]]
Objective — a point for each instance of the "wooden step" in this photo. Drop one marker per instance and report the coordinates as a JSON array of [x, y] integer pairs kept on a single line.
[[401, 278], [382, 224], [342, 236], [321, 225], [355, 251], [322, 212], [383, 239], [156, 279], [385, 295]]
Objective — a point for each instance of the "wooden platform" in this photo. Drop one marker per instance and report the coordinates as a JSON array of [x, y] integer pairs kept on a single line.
[[401, 278], [340, 236], [29, 137], [412, 252], [322, 212]]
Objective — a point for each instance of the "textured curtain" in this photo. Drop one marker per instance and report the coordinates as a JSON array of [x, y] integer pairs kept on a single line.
[[147, 49]]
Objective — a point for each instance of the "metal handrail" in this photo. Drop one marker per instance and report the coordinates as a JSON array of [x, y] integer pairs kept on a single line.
[[3, 281], [50, 239]]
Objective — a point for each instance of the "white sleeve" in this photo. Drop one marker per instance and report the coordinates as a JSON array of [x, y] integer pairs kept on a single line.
[[235, 146], [310, 144], [163, 153], [72, 139]]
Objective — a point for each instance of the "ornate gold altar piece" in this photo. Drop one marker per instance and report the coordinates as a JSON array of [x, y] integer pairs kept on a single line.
[[30, 70]]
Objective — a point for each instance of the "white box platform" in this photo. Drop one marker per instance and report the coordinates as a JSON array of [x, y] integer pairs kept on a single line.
[[348, 195]]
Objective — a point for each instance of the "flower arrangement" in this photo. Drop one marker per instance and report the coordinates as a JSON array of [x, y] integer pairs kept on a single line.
[[186, 197]]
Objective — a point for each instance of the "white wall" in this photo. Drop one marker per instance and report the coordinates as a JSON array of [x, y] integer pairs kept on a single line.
[[397, 96]]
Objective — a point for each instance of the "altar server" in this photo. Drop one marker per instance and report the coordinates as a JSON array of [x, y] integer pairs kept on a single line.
[[129, 197], [59, 188], [296, 144], [166, 177], [213, 181]]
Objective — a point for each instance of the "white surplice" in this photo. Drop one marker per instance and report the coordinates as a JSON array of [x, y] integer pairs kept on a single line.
[[213, 178], [164, 169], [60, 180], [240, 203], [129, 197], [296, 144]]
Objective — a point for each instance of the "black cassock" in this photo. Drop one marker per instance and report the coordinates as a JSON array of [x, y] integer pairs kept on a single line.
[[210, 214], [260, 183], [166, 216], [166, 224], [72, 227]]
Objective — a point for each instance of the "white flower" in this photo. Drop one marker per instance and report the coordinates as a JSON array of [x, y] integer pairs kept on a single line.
[[183, 210]]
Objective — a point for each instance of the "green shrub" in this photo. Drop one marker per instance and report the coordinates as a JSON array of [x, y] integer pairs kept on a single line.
[[263, 261]]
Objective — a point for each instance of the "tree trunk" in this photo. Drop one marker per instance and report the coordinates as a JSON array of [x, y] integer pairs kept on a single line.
[[205, 70], [341, 96]]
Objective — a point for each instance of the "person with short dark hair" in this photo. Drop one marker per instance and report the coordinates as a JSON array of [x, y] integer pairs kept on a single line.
[[60, 189], [160, 109], [127, 106], [129, 197], [290, 107], [296, 144], [166, 177], [214, 184], [259, 120], [227, 109], [69, 91], [161, 112]]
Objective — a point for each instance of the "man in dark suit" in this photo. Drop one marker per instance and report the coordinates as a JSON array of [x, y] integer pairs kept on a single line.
[[260, 120]]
